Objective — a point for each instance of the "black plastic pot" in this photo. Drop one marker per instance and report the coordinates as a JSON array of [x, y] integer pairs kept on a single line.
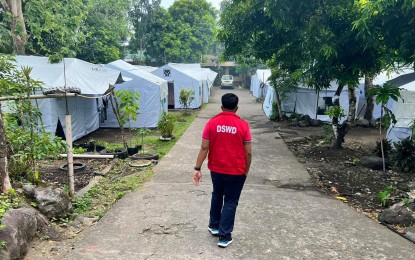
[[133, 150], [95, 148], [119, 153], [90, 147], [76, 166]]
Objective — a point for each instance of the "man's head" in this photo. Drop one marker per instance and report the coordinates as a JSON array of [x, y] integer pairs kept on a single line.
[[230, 102]]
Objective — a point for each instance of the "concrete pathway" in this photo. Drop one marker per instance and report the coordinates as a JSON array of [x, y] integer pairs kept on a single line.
[[280, 215]]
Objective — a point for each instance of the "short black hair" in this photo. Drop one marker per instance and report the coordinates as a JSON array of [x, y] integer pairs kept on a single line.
[[230, 101]]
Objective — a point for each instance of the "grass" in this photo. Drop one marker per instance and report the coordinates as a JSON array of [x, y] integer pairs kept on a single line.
[[151, 141], [9, 201], [100, 198]]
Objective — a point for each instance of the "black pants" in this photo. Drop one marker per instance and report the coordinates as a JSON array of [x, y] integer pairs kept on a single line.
[[225, 196]]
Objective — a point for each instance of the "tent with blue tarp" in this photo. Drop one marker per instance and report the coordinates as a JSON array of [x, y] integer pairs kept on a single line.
[[91, 80]]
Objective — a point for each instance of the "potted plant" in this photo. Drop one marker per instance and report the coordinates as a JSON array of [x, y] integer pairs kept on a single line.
[[165, 126], [144, 155], [112, 149], [131, 149], [125, 106]]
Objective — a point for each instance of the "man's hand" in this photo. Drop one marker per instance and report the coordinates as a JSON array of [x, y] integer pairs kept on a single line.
[[197, 177]]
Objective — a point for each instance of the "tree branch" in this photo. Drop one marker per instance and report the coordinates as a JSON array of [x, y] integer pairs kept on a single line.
[[5, 5]]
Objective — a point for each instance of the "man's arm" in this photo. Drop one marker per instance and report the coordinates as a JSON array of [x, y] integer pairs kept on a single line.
[[204, 149], [248, 155]]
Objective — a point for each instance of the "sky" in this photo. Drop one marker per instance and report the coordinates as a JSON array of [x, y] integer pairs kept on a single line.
[[168, 3]]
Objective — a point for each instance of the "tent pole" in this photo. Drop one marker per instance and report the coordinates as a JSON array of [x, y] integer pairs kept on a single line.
[[68, 128]]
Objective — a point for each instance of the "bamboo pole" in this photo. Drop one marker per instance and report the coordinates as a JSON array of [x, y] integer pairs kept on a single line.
[[68, 128], [39, 96], [90, 156]]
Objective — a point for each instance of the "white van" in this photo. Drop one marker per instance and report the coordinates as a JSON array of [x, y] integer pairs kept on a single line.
[[226, 81]]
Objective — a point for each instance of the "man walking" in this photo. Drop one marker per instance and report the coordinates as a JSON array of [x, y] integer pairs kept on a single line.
[[226, 140]]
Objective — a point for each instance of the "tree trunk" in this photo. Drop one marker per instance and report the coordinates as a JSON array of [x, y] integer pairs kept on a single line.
[[141, 52], [342, 129], [279, 108], [337, 136], [369, 100], [4, 171], [381, 141], [116, 110], [335, 119], [352, 105], [17, 24]]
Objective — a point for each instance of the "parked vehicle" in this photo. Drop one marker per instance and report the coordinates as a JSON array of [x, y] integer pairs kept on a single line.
[[226, 81]]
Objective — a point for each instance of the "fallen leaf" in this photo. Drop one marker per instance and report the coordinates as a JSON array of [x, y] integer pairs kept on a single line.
[[334, 189], [341, 198]]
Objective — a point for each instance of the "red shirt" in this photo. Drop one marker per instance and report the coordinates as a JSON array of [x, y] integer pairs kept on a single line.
[[227, 133]]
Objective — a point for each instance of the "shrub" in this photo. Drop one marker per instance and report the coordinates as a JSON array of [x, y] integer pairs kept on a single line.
[[335, 111], [328, 133], [385, 195], [387, 148], [186, 97], [404, 155], [28, 147], [128, 105], [294, 117], [386, 121], [274, 114], [166, 125], [79, 150], [125, 107], [22, 128], [305, 117], [7, 202]]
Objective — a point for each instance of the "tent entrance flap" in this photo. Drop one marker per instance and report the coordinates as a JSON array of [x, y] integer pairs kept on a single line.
[[171, 95], [59, 130]]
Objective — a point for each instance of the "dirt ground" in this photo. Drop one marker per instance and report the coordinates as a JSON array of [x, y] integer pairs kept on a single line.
[[338, 172], [53, 172]]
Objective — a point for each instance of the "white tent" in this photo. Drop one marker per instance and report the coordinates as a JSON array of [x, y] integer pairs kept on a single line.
[[204, 75], [186, 65], [93, 81], [178, 79], [268, 101], [403, 110], [382, 78], [308, 101], [260, 83], [254, 79], [153, 96], [146, 68], [207, 76]]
